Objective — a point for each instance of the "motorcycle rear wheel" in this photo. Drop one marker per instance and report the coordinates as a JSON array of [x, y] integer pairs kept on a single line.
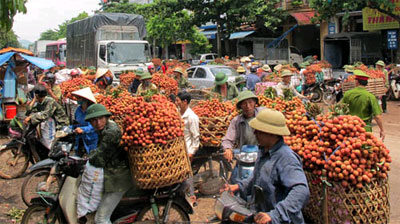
[[209, 182], [30, 184], [12, 163], [37, 214], [328, 97], [176, 214]]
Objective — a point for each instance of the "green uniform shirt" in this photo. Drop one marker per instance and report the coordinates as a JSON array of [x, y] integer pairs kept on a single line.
[[56, 91], [232, 91], [362, 104], [183, 83], [112, 158], [48, 108]]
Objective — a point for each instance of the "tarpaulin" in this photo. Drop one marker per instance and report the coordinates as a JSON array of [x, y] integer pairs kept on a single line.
[[239, 35], [39, 62]]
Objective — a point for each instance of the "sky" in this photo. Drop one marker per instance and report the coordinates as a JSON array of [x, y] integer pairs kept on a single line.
[[48, 14]]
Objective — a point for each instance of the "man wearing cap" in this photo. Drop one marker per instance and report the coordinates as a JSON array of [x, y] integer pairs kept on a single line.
[[239, 132], [252, 79], [227, 90], [44, 107], [146, 85], [285, 84], [363, 104], [136, 81], [110, 156], [179, 77], [241, 70], [349, 69], [240, 83], [380, 66], [265, 71], [278, 171], [87, 136], [104, 78], [53, 90]]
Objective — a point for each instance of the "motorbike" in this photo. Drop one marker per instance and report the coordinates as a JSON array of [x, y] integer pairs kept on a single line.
[[245, 158], [331, 89], [394, 88], [24, 147], [315, 91], [165, 205], [232, 209], [209, 166], [42, 173]]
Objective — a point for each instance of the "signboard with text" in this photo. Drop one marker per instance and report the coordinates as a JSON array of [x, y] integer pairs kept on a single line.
[[392, 39], [374, 20]]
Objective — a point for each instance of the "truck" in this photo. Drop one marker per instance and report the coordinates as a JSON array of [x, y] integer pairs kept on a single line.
[[108, 40], [281, 53], [39, 49]]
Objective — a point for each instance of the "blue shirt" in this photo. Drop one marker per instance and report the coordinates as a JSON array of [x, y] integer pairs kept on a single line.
[[252, 80], [280, 174], [89, 136]]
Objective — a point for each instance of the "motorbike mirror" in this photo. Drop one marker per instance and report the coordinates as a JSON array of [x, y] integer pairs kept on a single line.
[[258, 195]]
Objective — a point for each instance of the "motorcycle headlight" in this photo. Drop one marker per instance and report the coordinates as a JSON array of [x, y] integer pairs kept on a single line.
[[66, 147], [247, 157]]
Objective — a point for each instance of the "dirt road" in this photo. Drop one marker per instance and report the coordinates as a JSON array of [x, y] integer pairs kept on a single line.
[[10, 189]]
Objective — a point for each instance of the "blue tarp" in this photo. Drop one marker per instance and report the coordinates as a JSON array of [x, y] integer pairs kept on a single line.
[[5, 57], [210, 34], [39, 62], [239, 35]]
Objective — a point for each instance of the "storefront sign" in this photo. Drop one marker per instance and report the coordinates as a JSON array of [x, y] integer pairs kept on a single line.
[[331, 28], [392, 39], [374, 20]]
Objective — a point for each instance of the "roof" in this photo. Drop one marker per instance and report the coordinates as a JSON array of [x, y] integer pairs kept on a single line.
[[303, 18], [18, 50]]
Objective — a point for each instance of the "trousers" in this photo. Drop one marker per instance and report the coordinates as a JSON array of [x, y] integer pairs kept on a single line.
[[107, 205]]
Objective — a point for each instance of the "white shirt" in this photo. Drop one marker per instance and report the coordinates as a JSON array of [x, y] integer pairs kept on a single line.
[[191, 132], [281, 86]]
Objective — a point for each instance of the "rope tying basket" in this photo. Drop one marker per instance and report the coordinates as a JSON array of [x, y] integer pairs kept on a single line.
[[369, 204], [159, 165]]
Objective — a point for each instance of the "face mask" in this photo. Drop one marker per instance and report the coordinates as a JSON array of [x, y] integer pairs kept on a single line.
[[80, 102]]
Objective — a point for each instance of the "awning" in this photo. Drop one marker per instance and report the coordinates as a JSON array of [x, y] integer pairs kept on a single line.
[[19, 50], [39, 62], [240, 35], [210, 34], [303, 18]]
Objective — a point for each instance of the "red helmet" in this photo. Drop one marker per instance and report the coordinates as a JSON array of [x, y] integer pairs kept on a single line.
[[150, 67], [74, 72]]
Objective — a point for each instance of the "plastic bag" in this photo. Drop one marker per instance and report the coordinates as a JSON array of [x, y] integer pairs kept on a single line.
[[47, 132], [9, 83], [62, 76], [90, 190]]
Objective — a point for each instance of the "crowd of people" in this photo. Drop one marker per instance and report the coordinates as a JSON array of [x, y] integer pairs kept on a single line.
[[278, 170]]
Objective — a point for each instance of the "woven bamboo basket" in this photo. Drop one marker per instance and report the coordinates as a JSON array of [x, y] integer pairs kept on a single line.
[[375, 86], [348, 205], [212, 130], [158, 165]]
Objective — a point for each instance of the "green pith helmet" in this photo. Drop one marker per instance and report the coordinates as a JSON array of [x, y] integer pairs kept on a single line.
[[92, 68], [179, 70], [285, 73], [244, 96], [239, 79], [381, 63], [146, 75], [220, 78], [360, 73], [304, 64], [96, 110]]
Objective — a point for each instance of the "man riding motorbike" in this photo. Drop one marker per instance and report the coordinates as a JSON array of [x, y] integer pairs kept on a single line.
[[278, 171], [112, 158], [239, 131]]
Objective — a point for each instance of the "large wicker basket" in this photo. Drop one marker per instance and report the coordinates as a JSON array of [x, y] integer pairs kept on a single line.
[[212, 130], [158, 165], [375, 86], [348, 205]]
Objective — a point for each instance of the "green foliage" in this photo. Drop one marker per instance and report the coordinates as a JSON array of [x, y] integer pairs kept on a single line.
[[8, 39], [61, 32], [8, 9], [199, 43], [267, 12], [327, 9]]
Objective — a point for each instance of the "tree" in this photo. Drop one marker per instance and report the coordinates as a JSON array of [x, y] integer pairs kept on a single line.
[[8, 39], [8, 10], [61, 32], [327, 9]]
